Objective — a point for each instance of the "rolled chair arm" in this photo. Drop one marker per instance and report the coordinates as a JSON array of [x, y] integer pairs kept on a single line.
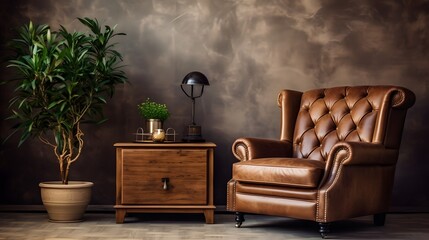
[[362, 173], [357, 153], [361, 153], [250, 148]]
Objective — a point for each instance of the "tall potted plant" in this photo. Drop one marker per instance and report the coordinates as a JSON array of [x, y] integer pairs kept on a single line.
[[64, 79]]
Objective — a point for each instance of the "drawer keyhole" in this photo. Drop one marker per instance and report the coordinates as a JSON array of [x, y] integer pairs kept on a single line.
[[165, 185]]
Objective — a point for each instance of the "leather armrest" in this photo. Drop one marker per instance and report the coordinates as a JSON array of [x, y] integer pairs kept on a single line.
[[357, 153], [361, 153], [250, 148], [360, 172]]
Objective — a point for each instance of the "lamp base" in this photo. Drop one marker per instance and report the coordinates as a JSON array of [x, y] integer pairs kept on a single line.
[[193, 134]]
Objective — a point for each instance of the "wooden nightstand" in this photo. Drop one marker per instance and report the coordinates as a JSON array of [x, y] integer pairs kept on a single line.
[[164, 178]]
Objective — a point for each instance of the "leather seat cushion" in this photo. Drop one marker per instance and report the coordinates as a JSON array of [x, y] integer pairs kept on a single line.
[[294, 172]]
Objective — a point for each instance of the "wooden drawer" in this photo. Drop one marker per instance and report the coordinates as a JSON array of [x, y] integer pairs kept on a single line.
[[144, 169]]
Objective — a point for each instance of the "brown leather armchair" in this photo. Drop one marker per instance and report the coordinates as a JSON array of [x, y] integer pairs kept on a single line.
[[335, 159]]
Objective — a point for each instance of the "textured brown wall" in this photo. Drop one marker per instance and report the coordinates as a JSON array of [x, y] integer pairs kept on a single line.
[[249, 50]]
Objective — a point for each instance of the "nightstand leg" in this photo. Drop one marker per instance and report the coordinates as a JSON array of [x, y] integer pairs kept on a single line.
[[120, 215], [209, 215]]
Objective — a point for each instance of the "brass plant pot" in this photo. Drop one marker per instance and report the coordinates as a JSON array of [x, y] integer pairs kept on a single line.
[[152, 124], [66, 202]]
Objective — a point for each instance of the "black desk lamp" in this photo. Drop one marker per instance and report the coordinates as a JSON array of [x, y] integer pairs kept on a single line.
[[196, 82]]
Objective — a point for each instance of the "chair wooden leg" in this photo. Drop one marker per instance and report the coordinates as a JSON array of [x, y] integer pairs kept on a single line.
[[324, 229], [379, 219], [239, 219]]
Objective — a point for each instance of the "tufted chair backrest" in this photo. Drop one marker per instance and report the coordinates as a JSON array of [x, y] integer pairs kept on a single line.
[[358, 114]]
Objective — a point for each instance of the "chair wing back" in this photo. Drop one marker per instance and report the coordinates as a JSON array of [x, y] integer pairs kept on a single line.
[[373, 114]]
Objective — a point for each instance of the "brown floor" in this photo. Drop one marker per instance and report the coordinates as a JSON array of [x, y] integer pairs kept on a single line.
[[34, 226]]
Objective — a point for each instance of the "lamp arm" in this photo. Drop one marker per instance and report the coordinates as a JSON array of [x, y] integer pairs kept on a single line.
[[202, 91], [192, 92], [192, 97], [181, 86]]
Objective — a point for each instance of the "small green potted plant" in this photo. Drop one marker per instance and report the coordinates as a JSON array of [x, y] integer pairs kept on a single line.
[[154, 113]]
